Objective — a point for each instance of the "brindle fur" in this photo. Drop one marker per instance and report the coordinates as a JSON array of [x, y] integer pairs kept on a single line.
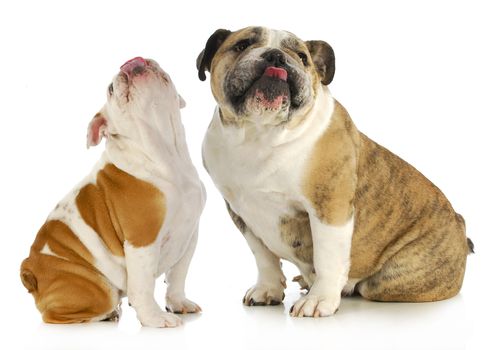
[[295, 231], [408, 242]]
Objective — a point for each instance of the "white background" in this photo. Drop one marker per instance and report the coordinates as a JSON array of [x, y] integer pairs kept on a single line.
[[411, 74]]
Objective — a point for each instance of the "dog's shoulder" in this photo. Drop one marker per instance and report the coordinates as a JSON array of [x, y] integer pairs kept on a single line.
[[122, 206], [329, 175]]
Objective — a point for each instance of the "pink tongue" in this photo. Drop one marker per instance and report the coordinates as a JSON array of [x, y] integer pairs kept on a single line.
[[275, 72], [132, 64]]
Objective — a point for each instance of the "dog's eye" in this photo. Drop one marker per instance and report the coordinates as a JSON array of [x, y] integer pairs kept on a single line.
[[242, 45], [110, 89], [304, 58]]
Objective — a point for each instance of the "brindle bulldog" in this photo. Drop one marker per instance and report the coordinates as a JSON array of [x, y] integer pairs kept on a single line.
[[303, 184]]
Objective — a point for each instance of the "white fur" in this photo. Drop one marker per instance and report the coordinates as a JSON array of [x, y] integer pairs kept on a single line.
[[154, 150], [46, 250], [259, 170], [331, 260], [271, 281], [275, 37], [175, 279], [141, 267], [146, 139]]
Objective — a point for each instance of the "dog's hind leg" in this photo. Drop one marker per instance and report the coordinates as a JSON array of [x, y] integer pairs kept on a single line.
[[430, 268]]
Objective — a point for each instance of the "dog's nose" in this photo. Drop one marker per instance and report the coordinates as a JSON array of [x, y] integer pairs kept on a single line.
[[275, 57], [134, 66]]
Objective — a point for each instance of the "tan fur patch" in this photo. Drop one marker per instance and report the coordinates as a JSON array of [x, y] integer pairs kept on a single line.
[[62, 242], [331, 175], [121, 207], [66, 288], [296, 232], [92, 206]]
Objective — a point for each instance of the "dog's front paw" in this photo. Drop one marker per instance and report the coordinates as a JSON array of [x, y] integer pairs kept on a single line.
[[181, 305], [315, 306], [261, 295], [159, 319]]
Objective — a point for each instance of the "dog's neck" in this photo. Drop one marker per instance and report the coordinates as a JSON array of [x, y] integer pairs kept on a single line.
[[160, 147]]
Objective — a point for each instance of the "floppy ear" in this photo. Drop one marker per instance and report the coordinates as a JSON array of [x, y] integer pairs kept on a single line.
[[97, 129], [182, 103], [204, 59], [323, 58]]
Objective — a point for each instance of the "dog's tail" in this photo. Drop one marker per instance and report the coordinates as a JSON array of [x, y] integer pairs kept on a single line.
[[471, 246], [27, 277]]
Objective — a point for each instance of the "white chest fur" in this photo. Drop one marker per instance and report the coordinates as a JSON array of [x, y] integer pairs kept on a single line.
[[171, 171], [259, 171]]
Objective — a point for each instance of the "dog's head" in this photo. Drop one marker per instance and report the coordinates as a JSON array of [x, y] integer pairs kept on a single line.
[[139, 96], [264, 74]]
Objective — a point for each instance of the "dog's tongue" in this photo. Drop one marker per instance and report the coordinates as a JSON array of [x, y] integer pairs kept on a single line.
[[275, 72], [131, 66]]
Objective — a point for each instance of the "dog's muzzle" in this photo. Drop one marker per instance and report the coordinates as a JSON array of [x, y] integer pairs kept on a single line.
[[270, 83]]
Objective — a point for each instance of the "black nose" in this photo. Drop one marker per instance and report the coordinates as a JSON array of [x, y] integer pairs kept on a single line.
[[275, 57]]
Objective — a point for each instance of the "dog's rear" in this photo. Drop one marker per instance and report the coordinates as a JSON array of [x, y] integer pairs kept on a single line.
[[60, 276], [416, 249]]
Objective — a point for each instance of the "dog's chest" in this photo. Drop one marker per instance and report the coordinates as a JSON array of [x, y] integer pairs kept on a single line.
[[261, 183], [182, 223], [267, 215]]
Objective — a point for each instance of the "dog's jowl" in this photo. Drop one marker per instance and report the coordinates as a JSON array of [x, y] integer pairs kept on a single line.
[[303, 184], [133, 218]]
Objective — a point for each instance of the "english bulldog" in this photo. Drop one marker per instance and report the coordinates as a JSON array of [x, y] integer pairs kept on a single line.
[[303, 184], [132, 218]]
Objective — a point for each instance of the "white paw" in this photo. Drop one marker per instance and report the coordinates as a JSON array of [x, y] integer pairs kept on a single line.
[[315, 306], [159, 319], [181, 305], [261, 294]]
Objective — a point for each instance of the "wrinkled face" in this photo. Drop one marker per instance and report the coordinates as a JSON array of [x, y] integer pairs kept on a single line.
[[264, 75], [140, 96]]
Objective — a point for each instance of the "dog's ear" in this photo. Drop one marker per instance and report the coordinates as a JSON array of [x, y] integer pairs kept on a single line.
[[323, 58], [97, 129], [204, 59]]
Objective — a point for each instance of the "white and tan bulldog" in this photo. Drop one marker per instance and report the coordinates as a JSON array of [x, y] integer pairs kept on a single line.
[[133, 218], [304, 185]]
